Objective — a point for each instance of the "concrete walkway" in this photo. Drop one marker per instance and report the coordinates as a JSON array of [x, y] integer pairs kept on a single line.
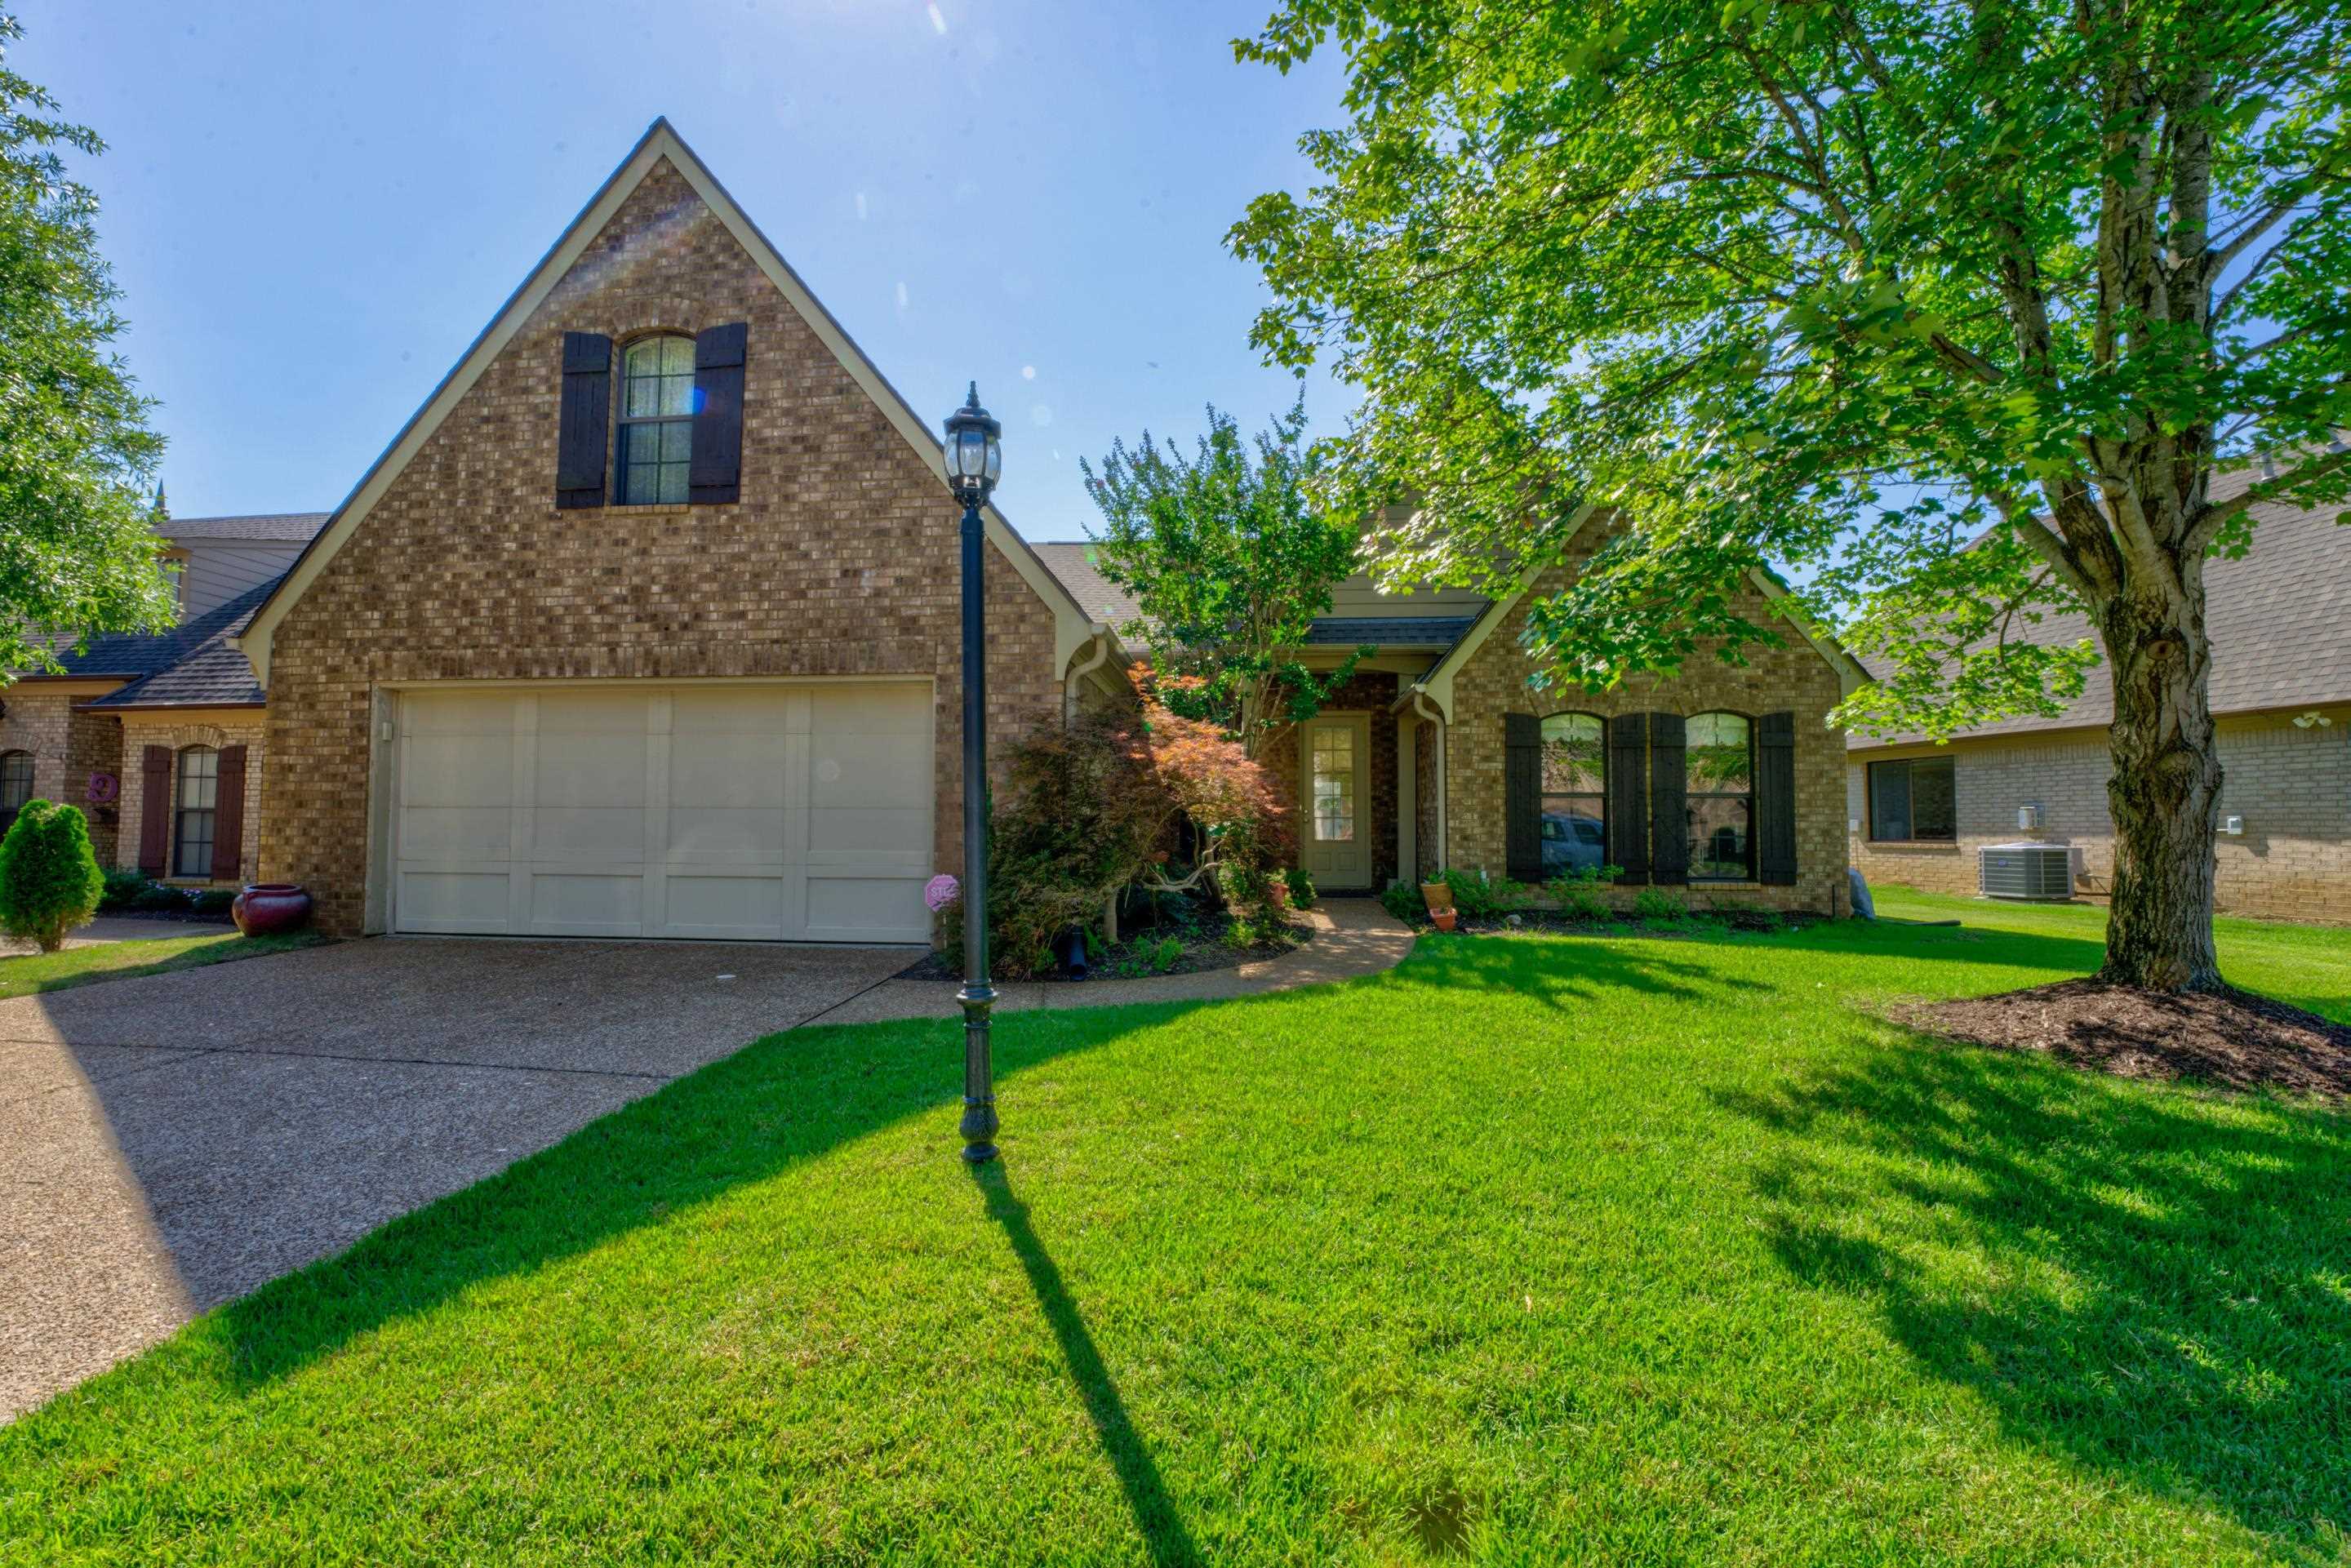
[[170, 1142], [1353, 936], [108, 928]]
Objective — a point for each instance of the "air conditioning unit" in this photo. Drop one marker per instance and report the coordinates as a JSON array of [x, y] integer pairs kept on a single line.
[[2026, 871]]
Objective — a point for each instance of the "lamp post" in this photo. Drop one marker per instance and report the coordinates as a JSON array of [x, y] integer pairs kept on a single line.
[[975, 453]]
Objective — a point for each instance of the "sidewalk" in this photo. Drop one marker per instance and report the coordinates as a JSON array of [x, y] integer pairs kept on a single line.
[[1353, 937]]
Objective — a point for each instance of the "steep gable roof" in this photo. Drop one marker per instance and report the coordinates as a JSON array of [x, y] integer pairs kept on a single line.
[[196, 663], [1073, 626]]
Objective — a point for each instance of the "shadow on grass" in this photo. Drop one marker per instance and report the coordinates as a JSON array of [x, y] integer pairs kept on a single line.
[[1146, 1494], [2154, 1283], [783, 1102]]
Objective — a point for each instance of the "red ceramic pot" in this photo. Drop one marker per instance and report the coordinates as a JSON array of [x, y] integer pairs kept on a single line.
[[268, 908], [1444, 918]]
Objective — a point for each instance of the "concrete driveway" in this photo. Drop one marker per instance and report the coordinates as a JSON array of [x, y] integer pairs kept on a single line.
[[169, 1143]]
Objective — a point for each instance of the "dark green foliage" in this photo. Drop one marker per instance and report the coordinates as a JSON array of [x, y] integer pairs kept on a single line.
[[49, 880], [77, 555], [160, 898], [1230, 562], [1403, 900], [123, 886], [213, 901], [1477, 896], [1301, 887]]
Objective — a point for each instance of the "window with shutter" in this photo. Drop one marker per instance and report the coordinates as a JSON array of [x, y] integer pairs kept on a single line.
[[1628, 812], [1775, 798], [656, 437], [587, 406], [715, 475], [1719, 758], [1574, 821]]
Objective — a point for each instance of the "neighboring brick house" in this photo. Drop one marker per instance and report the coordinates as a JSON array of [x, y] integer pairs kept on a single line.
[[2280, 621], [158, 738], [1722, 783]]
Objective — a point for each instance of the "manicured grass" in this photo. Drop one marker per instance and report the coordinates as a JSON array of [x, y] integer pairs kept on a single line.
[[1537, 1250], [35, 972]]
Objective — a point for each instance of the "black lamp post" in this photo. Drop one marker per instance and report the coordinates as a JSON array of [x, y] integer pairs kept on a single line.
[[975, 453]]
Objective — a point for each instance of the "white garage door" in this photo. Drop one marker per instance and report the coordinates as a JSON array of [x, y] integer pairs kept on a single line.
[[791, 812]]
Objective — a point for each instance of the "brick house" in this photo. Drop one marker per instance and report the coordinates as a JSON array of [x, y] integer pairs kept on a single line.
[[1721, 783], [647, 625], [2280, 621], [159, 739]]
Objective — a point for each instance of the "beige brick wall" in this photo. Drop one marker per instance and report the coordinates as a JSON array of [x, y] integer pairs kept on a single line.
[[2290, 784], [68, 746], [841, 558], [142, 730], [1794, 678]]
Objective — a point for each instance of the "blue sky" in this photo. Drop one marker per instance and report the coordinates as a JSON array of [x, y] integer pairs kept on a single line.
[[312, 208]]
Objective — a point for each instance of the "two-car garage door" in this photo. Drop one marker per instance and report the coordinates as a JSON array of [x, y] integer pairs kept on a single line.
[[794, 812]]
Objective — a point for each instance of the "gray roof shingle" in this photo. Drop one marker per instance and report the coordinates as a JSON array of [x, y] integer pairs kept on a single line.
[[284, 527], [2280, 621], [1098, 596], [1391, 630], [191, 665]]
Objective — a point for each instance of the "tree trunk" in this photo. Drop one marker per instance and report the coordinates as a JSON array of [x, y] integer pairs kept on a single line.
[[2165, 793]]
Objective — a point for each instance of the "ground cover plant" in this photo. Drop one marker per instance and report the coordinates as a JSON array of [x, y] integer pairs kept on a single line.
[[1536, 1248]]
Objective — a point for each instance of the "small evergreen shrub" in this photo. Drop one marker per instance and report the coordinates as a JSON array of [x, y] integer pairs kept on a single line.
[[1577, 893], [1241, 933], [1165, 953], [1403, 901], [160, 898], [213, 901], [123, 886], [1301, 887], [1655, 904], [1481, 897], [49, 880]]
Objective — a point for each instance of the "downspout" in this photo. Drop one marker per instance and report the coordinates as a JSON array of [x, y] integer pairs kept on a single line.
[[1077, 672], [1422, 709]]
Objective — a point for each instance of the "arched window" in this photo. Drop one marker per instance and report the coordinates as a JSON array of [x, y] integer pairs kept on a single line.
[[195, 803], [16, 785], [656, 446], [1720, 797], [1574, 793]]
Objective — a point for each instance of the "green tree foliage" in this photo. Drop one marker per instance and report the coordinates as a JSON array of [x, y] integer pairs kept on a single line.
[[1230, 563], [75, 455], [49, 880], [1956, 309]]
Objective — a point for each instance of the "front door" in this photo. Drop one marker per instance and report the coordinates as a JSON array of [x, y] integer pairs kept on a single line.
[[1335, 753]]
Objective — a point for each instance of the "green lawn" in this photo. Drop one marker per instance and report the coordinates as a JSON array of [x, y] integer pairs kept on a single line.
[[1536, 1250], [35, 972]]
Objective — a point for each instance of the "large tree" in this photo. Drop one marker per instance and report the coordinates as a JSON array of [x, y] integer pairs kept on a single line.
[[77, 555], [1954, 310], [1230, 562]]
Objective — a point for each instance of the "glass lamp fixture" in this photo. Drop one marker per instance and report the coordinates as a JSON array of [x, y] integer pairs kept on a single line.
[[974, 451]]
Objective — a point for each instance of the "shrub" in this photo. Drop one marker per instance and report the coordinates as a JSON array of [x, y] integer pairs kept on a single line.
[[1655, 904], [1242, 934], [160, 898], [123, 886], [1481, 897], [1301, 887], [1403, 900], [1163, 954], [213, 901], [1076, 822], [49, 880], [1576, 892], [1223, 823]]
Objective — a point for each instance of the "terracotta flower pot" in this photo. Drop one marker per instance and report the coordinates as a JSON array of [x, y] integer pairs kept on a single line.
[[1444, 918], [268, 908]]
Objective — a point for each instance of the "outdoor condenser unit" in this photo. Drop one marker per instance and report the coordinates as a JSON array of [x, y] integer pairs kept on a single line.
[[2026, 871]]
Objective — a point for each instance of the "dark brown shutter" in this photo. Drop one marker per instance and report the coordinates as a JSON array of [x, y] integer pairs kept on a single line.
[[154, 808], [716, 471], [1775, 798], [228, 816], [1668, 801], [1628, 817], [1523, 795], [586, 414]]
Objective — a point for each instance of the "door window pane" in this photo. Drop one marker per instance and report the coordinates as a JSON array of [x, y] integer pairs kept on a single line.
[[1332, 784]]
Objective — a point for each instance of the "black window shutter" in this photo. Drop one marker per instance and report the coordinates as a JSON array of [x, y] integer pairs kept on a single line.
[[228, 815], [1628, 818], [154, 808], [1668, 801], [1775, 798], [716, 473], [1523, 795], [587, 411]]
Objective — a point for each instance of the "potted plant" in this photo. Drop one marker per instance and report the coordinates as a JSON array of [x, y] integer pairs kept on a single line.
[[1440, 897]]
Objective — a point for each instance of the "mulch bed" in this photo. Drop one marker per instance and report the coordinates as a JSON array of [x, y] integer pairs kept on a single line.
[[2230, 1038], [1203, 948]]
